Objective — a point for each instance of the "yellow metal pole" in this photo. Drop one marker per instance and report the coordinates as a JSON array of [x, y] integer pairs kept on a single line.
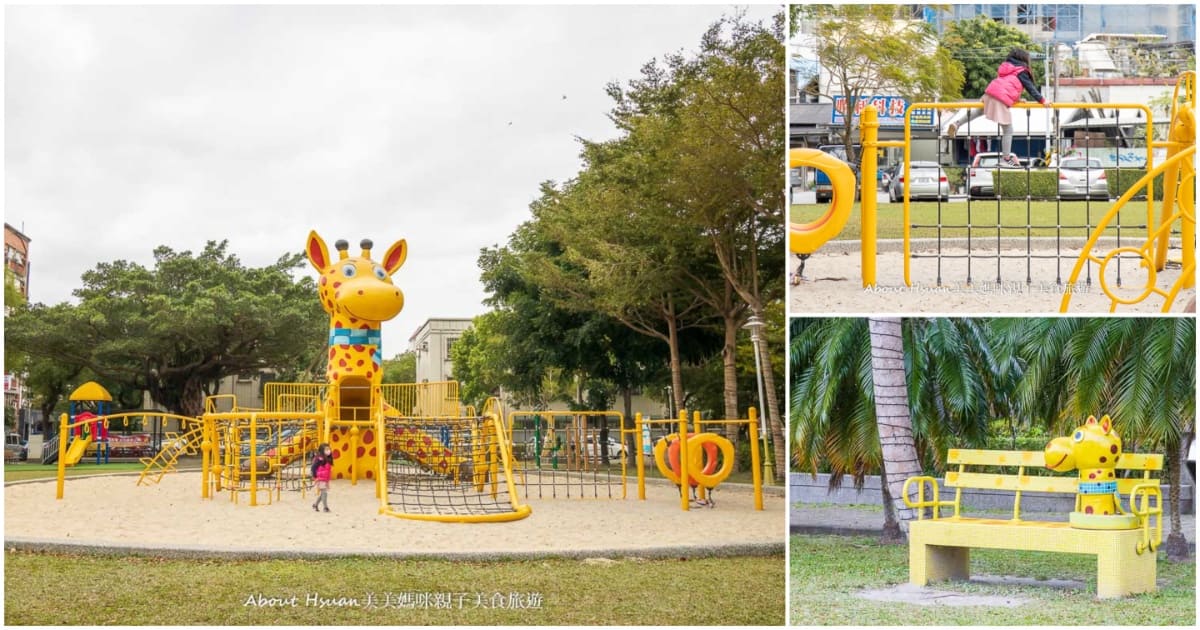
[[205, 455], [253, 459], [868, 205], [380, 455], [696, 423], [641, 459], [352, 453], [755, 467], [906, 214], [62, 455], [683, 460]]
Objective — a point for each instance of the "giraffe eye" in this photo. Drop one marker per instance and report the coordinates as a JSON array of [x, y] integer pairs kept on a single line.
[[380, 273], [349, 270], [1079, 436]]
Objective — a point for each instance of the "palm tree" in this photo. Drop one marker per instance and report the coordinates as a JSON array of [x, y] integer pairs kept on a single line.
[[955, 385], [1141, 371], [892, 416]]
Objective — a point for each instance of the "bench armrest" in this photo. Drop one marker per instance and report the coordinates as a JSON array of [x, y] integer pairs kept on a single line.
[[1144, 510], [921, 503]]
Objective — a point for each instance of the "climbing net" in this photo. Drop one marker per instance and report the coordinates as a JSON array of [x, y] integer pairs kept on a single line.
[[259, 455], [450, 469], [1082, 162], [572, 455]]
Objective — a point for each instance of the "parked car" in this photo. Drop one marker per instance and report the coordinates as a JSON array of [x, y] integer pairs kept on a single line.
[[981, 174], [824, 187], [928, 181], [613, 446], [1082, 178], [12, 447]]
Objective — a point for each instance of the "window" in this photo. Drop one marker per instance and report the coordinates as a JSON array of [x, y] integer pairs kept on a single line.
[[449, 345], [1066, 17], [1026, 14]]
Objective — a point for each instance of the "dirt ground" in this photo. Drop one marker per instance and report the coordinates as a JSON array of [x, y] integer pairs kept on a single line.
[[112, 511], [833, 283]]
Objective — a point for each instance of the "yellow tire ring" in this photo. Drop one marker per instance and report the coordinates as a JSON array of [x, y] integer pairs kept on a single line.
[[806, 238], [700, 445]]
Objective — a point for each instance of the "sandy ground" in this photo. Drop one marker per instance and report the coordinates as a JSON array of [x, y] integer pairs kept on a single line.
[[112, 511], [833, 284]]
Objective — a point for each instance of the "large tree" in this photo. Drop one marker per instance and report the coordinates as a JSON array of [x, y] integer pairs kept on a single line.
[[980, 45], [178, 328], [871, 49]]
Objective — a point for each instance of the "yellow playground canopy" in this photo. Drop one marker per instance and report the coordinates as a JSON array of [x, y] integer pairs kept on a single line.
[[91, 390]]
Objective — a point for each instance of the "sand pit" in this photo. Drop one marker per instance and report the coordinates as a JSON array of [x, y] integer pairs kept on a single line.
[[833, 283], [112, 512]]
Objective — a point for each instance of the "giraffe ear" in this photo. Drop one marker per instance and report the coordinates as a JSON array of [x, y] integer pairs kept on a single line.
[[317, 253], [1106, 424], [395, 256], [1091, 421]]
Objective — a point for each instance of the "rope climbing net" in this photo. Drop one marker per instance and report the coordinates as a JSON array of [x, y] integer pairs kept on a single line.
[[449, 469]]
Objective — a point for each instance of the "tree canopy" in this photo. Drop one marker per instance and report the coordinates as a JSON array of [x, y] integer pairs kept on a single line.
[[178, 328], [878, 48], [981, 44]]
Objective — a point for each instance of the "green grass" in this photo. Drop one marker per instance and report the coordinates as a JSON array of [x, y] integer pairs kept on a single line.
[[18, 472], [50, 589], [827, 571], [983, 213]]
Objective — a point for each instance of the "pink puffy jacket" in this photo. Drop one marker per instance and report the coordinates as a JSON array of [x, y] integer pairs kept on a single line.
[[1009, 82]]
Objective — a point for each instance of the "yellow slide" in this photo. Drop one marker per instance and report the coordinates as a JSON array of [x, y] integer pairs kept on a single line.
[[76, 449], [425, 449]]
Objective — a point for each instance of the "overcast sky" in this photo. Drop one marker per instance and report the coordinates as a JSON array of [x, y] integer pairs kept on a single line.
[[132, 127]]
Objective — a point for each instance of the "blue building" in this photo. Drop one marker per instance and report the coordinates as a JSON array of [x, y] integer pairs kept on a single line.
[[1069, 23]]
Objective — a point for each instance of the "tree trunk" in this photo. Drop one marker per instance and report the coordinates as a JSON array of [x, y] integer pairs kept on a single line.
[[774, 421], [1176, 544], [891, 534], [730, 393], [191, 402], [676, 364], [891, 409]]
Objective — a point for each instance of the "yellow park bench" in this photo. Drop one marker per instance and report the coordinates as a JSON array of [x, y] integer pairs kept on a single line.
[[939, 547]]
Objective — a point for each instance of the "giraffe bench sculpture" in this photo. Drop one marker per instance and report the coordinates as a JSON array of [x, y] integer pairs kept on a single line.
[[1124, 542]]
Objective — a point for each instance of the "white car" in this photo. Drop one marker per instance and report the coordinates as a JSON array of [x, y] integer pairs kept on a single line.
[[928, 181], [1082, 177], [613, 446]]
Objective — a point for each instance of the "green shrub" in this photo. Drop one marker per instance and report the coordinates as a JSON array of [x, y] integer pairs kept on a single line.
[[1119, 181], [1014, 184], [955, 176]]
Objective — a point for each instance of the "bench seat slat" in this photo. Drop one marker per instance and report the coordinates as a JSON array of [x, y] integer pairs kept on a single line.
[[1013, 483], [1036, 459]]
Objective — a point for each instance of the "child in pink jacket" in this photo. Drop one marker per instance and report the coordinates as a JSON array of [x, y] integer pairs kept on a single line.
[[322, 470], [1011, 77]]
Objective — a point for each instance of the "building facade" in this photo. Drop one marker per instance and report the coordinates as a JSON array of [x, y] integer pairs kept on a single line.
[[432, 343], [16, 257], [1070, 23]]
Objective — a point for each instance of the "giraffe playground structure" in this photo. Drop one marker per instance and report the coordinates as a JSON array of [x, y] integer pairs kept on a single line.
[[446, 462]]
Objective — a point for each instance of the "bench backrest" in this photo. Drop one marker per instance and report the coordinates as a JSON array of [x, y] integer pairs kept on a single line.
[[959, 475]]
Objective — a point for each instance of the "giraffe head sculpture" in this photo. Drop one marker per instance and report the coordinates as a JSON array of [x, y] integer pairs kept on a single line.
[[1093, 446], [358, 294], [1094, 449]]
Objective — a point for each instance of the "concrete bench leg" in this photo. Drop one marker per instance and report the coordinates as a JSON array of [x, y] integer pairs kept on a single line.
[[1120, 571], [934, 563]]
